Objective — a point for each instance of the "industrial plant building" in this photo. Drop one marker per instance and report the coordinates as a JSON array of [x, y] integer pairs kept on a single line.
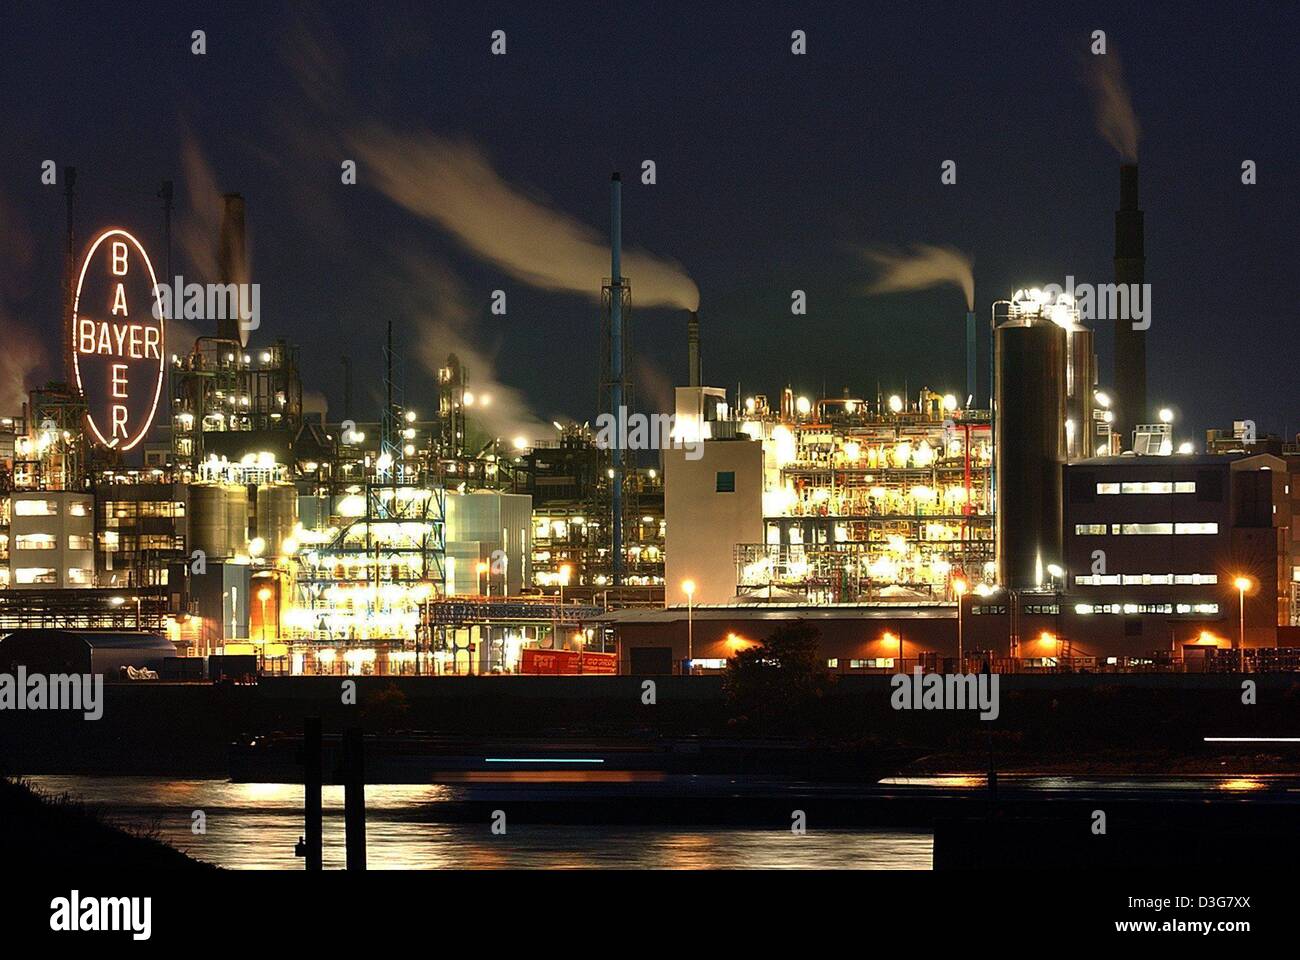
[[1046, 522]]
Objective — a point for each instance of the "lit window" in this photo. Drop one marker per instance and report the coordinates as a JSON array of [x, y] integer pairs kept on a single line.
[[1090, 529], [36, 508], [1104, 488], [1196, 528], [78, 575], [1147, 529], [34, 541], [35, 575], [1150, 486], [78, 542]]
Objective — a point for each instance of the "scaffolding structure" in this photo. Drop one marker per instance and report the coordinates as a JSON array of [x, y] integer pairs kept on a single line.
[[867, 501]]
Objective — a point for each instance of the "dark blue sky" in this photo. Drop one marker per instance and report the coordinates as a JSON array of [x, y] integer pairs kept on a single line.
[[772, 171]]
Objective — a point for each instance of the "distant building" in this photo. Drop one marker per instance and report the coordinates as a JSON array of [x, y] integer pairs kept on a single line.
[[713, 498], [51, 540]]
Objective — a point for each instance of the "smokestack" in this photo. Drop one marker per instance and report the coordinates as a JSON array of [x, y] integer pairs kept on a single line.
[[69, 270], [972, 380], [165, 194], [1130, 344], [693, 348], [233, 261], [616, 367]]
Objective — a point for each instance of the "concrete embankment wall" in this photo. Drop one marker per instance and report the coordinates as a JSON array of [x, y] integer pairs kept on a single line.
[[186, 728]]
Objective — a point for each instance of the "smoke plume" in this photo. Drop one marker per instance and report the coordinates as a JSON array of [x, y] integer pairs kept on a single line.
[[199, 228], [924, 267], [453, 184], [444, 315], [1116, 121], [21, 361]]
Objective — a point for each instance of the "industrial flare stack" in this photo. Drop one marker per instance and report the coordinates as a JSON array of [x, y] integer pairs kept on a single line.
[[1130, 344]]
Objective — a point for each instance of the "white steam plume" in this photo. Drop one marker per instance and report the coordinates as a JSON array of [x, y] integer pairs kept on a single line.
[[1116, 121], [452, 183], [444, 316], [924, 267]]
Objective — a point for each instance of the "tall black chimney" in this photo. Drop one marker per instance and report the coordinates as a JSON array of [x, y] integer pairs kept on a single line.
[[1130, 344], [233, 261], [693, 349]]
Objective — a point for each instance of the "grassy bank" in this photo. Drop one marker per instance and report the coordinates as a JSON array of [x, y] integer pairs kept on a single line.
[[60, 832]]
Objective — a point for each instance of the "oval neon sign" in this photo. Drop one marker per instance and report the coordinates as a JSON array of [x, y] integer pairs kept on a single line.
[[117, 339]]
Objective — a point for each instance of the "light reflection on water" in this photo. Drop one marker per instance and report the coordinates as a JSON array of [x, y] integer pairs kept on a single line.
[[255, 826], [1214, 784]]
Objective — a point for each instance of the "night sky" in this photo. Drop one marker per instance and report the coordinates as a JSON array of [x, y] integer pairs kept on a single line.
[[774, 172]]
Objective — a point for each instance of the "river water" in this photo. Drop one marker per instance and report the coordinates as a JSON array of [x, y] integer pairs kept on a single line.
[[255, 826]]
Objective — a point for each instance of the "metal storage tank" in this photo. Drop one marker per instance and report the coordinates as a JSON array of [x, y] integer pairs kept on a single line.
[[1080, 385], [277, 514], [1030, 374], [218, 519]]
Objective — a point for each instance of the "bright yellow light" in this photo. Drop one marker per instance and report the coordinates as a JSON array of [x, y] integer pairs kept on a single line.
[[480, 568], [521, 443], [896, 403], [1243, 583], [1047, 639], [256, 547], [565, 571], [803, 405], [264, 594], [688, 587], [289, 547], [959, 587]]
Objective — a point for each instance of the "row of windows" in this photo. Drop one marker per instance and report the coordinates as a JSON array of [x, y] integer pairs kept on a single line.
[[126, 509], [48, 508], [112, 542], [1165, 608], [875, 663], [1145, 579], [1143, 529], [39, 576], [47, 541], [1148, 486], [1000, 609]]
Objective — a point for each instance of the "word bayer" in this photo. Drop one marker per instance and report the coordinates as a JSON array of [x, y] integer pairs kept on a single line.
[[58, 691], [102, 914], [952, 691], [637, 431], [209, 301]]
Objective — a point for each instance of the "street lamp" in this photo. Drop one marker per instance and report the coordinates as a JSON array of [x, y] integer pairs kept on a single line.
[[264, 595], [688, 587], [1242, 584], [564, 579], [959, 588], [899, 637]]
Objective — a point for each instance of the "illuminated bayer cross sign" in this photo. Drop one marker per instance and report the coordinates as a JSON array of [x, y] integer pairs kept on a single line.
[[117, 340]]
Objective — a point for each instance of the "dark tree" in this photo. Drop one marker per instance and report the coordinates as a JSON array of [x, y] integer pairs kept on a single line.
[[777, 684]]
